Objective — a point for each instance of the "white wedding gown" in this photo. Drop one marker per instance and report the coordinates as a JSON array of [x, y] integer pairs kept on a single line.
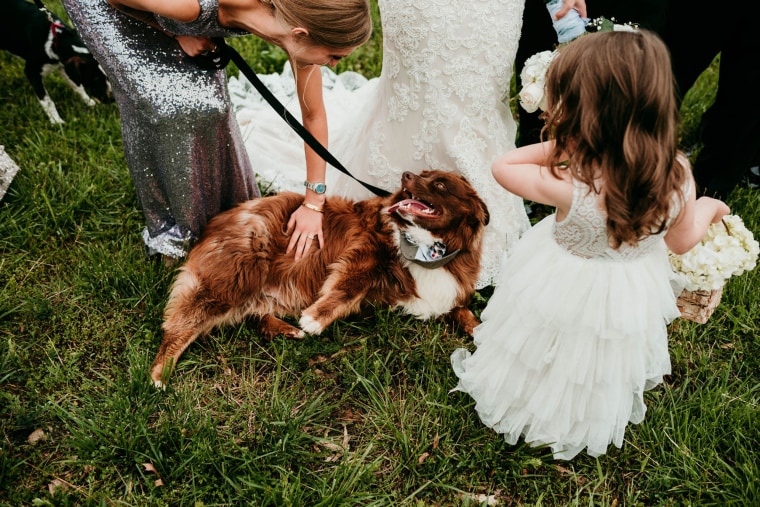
[[440, 102]]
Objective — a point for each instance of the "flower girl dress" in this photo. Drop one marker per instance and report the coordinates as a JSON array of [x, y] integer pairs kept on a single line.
[[573, 335], [440, 102]]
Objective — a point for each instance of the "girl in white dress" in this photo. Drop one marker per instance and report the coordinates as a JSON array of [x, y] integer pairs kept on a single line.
[[440, 102], [575, 331]]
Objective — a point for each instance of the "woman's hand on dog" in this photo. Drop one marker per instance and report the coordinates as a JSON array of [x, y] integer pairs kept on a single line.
[[305, 227]]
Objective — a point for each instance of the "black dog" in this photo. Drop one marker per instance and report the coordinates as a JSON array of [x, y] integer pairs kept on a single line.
[[47, 45]]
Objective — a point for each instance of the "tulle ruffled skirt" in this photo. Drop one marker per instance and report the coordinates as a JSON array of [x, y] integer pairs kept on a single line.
[[568, 345]]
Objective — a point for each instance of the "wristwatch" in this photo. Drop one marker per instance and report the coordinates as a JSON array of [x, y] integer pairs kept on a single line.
[[319, 188]]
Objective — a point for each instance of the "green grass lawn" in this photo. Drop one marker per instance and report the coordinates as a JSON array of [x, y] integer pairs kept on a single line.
[[361, 415]]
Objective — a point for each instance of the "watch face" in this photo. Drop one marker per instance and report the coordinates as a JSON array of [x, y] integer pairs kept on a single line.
[[319, 188]]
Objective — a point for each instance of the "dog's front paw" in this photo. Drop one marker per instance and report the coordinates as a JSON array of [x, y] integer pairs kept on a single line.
[[310, 325]]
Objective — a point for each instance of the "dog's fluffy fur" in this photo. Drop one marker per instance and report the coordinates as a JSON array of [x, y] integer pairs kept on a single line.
[[239, 268], [45, 45]]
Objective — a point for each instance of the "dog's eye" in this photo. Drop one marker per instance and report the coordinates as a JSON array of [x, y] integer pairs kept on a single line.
[[440, 185]]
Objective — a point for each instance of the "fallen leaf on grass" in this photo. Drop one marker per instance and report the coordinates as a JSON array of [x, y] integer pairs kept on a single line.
[[150, 468], [489, 500], [56, 485], [349, 416], [36, 436], [339, 449], [321, 358], [580, 481], [426, 455]]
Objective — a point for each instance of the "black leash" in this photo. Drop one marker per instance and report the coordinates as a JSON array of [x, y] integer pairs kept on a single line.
[[315, 145]]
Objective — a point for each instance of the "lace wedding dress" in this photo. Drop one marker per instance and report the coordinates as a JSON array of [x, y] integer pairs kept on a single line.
[[572, 336], [440, 102]]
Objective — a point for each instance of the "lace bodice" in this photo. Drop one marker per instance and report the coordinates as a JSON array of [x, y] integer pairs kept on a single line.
[[583, 232]]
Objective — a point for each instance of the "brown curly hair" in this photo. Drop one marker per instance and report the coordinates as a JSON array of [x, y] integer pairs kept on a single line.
[[613, 113]]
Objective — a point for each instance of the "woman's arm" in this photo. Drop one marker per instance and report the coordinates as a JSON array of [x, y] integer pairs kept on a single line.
[[305, 221], [181, 10], [144, 10], [314, 118]]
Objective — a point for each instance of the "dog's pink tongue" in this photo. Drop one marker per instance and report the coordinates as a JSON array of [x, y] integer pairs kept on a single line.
[[411, 206]]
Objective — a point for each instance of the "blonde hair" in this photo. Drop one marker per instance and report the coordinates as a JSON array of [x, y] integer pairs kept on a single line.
[[613, 112], [335, 24]]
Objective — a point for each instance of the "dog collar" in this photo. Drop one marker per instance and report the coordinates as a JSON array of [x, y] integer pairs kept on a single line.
[[55, 30], [429, 257]]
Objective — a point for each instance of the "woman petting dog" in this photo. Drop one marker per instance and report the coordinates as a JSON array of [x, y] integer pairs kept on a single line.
[[181, 140], [439, 102]]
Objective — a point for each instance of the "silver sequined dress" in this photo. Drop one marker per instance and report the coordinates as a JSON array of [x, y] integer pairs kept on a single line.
[[181, 140]]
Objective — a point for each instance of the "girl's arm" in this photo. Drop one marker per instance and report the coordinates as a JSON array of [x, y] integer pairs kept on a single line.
[[523, 172], [692, 222], [306, 221]]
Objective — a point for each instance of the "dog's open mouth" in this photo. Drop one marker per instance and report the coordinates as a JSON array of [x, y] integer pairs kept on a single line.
[[415, 207]]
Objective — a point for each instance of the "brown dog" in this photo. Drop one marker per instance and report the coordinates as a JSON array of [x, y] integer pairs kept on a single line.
[[417, 250]]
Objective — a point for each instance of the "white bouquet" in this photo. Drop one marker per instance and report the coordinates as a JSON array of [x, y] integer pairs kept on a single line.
[[532, 77], [533, 74], [728, 249]]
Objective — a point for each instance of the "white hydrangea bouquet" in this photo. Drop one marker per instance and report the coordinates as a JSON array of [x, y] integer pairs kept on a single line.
[[533, 73], [728, 249]]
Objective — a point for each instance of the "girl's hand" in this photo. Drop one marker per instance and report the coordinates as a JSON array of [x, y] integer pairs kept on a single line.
[[305, 225], [721, 210], [692, 223]]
